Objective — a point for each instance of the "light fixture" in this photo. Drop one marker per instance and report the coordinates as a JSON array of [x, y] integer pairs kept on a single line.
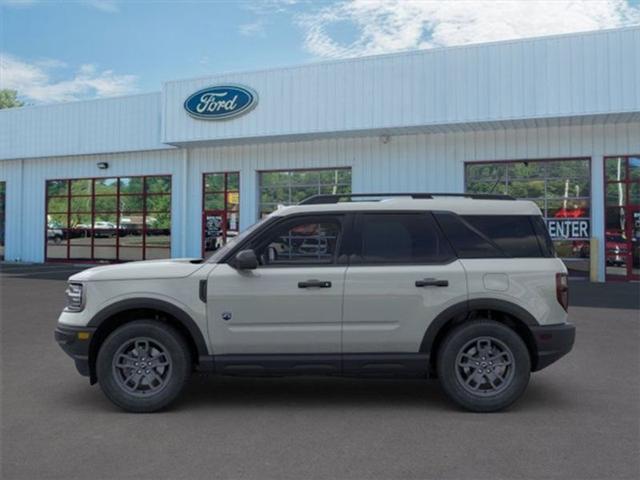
[[103, 165], [385, 138]]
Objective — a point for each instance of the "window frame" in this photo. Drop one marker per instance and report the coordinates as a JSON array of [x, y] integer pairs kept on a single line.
[[3, 216], [289, 185], [310, 218], [627, 207], [146, 230], [355, 251], [226, 211], [262, 234]]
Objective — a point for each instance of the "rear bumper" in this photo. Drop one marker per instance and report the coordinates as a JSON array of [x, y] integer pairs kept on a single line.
[[552, 343], [74, 345]]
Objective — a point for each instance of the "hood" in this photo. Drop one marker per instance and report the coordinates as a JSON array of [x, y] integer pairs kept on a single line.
[[148, 269]]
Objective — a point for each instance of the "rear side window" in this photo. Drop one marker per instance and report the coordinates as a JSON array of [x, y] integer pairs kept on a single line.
[[513, 234], [467, 241], [401, 238], [546, 244]]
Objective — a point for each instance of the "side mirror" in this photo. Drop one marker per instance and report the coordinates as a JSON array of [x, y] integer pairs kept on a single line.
[[246, 260]]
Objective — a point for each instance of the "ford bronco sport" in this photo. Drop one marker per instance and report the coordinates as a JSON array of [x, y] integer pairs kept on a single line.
[[465, 288]]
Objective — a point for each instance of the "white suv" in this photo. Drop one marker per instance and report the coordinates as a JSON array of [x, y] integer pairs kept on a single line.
[[465, 288]]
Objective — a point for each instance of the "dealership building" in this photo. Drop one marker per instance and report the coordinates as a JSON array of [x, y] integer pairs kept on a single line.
[[177, 172]]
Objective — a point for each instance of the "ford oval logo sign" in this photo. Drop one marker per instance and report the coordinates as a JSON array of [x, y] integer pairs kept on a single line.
[[221, 102]]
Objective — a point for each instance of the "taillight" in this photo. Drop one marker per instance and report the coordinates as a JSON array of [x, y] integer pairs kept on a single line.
[[562, 290]]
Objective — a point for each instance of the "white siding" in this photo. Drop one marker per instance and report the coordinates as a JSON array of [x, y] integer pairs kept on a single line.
[[555, 77], [421, 162], [26, 205], [96, 126]]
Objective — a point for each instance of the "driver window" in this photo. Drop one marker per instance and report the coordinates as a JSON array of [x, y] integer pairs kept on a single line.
[[305, 242]]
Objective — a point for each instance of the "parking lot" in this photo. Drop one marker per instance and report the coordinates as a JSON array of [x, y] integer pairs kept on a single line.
[[579, 419]]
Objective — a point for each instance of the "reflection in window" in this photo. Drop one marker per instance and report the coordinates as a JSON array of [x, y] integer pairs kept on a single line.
[[2, 221], [622, 217], [561, 188], [221, 209], [109, 219], [293, 186], [303, 243]]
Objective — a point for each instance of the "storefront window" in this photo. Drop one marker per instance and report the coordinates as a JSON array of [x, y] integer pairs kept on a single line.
[[622, 217], [2, 210], [109, 219], [221, 209], [562, 190], [292, 186]]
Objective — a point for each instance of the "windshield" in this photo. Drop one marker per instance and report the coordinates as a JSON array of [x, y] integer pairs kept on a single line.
[[231, 242]]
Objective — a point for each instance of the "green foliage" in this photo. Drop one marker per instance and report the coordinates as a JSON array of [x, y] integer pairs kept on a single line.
[[9, 99]]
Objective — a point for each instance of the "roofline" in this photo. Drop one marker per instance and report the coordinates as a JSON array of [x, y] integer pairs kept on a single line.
[[311, 64], [409, 52], [84, 100]]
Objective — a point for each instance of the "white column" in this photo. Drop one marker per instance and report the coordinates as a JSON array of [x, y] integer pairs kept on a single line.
[[248, 197], [597, 210]]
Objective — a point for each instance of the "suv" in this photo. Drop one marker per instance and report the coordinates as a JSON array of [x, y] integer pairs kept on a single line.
[[465, 288]]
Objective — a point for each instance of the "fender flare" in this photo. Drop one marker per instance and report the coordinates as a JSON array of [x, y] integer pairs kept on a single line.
[[154, 304], [463, 309]]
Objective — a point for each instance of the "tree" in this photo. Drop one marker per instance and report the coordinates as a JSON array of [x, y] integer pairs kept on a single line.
[[9, 99]]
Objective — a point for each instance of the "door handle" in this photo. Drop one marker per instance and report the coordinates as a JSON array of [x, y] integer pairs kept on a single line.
[[432, 282], [314, 284]]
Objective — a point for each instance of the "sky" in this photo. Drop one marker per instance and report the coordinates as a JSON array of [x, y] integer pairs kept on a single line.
[[56, 51]]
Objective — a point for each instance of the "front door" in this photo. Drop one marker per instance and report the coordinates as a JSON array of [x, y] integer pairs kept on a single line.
[[290, 304], [402, 274]]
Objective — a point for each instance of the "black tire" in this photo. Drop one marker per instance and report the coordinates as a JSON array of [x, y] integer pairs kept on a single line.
[[161, 384], [461, 357]]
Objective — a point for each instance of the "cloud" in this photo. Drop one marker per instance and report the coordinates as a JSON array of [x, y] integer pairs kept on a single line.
[[388, 26], [34, 81], [252, 29]]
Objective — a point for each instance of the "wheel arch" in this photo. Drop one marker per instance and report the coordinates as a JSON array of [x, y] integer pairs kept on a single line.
[[507, 313], [125, 311]]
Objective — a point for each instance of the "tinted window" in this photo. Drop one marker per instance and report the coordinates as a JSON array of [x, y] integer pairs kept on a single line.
[[402, 238], [467, 242], [546, 244], [304, 241], [514, 234]]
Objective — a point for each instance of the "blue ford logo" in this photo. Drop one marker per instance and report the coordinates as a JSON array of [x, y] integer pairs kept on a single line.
[[221, 102]]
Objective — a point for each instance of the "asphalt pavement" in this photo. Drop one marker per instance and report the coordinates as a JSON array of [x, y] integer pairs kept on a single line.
[[579, 419]]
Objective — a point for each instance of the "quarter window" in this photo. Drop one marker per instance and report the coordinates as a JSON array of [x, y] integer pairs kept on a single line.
[[513, 234], [410, 238], [562, 190]]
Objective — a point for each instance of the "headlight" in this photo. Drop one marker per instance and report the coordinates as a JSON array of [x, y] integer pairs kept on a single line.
[[75, 297]]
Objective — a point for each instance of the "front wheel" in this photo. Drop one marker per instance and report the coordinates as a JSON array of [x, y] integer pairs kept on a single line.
[[143, 365], [483, 366]]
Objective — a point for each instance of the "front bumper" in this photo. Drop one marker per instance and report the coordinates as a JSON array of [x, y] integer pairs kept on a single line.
[[552, 343], [75, 342]]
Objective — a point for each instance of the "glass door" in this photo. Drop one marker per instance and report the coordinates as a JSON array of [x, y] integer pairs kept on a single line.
[[622, 218], [220, 210], [634, 247]]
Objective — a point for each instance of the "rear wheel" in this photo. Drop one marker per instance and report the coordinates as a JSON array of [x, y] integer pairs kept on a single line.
[[143, 365], [483, 366]]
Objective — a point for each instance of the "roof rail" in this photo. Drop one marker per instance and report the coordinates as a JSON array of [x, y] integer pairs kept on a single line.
[[336, 198]]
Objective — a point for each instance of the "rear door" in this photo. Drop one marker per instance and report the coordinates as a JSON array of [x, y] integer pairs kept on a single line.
[[402, 274]]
